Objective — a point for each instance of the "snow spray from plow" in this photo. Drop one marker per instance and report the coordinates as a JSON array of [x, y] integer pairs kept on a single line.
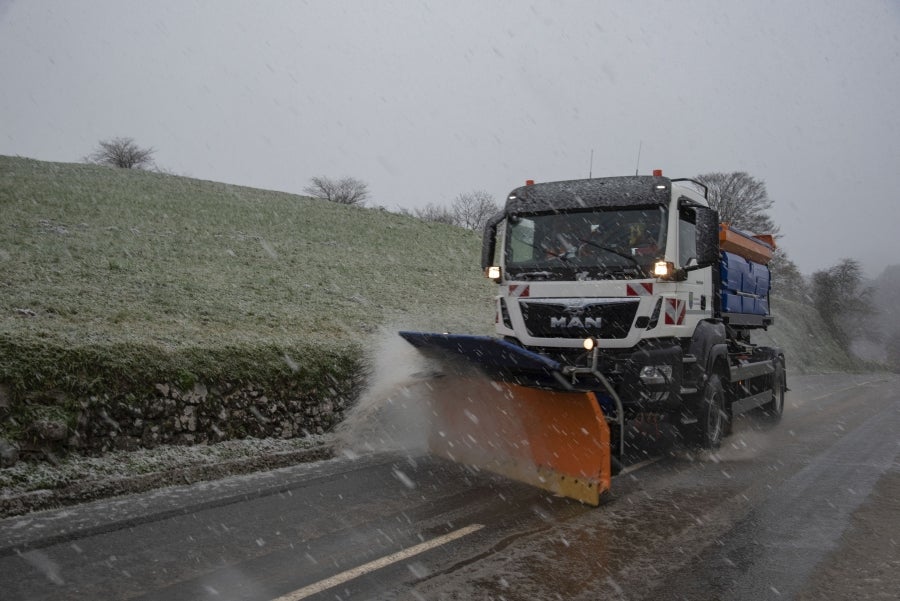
[[553, 439]]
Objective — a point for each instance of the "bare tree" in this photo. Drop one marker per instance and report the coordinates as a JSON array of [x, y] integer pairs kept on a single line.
[[473, 209], [123, 153], [843, 302], [346, 191], [741, 200], [787, 280]]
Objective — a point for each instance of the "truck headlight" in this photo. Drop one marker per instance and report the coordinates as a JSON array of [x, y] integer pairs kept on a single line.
[[493, 273], [663, 269]]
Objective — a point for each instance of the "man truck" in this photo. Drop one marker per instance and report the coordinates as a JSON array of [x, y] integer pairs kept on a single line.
[[619, 299]]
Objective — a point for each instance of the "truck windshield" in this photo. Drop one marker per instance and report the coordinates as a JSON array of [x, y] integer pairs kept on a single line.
[[595, 244]]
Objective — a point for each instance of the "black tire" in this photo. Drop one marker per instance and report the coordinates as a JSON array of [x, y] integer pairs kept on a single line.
[[772, 411], [712, 416]]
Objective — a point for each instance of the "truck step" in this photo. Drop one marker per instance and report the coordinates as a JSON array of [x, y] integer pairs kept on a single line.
[[686, 390], [688, 359], [687, 421]]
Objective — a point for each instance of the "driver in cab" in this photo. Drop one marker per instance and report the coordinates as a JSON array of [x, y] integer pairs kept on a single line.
[[564, 241], [641, 242]]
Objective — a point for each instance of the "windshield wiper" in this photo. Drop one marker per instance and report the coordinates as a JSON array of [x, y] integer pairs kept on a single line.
[[613, 251], [640, 269]]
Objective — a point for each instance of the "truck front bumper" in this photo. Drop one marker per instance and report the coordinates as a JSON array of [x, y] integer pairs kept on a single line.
[[647, 380]]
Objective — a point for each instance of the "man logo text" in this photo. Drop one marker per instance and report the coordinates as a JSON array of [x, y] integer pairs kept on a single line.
[[575, 322]]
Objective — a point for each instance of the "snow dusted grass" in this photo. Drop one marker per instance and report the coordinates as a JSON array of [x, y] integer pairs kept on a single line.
[[801, 334], [147, 274], [32, 476], [92, 254]]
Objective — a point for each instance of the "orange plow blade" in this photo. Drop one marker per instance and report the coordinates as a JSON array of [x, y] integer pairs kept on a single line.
[[558, 441]]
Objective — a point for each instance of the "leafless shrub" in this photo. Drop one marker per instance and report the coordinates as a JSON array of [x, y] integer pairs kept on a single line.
[[347, 190], [435, 214], [123, 153], [473, 209]]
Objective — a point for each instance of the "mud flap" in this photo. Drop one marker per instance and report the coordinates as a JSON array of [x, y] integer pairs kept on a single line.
[[555, 440]]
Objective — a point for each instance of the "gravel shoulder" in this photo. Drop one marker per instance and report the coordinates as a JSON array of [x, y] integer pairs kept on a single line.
[[866, 563]]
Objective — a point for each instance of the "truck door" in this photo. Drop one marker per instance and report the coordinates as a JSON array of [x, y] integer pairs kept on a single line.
[[696, 289]]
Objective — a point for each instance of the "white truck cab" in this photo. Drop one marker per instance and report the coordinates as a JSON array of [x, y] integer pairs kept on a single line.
[[635, 277]]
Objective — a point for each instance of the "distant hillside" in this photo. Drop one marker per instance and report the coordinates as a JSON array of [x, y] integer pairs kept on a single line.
[[884, 347], [800, 332]]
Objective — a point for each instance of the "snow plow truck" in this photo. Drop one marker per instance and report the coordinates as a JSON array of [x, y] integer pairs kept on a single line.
[[619, 299]]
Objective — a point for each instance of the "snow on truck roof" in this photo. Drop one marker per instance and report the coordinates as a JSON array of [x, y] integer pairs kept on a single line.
[[626, 191]]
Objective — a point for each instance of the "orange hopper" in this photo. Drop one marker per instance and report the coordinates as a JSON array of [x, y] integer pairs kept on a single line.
[[756, 248]]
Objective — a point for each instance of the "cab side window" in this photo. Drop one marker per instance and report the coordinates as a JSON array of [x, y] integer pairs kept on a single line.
[[687, 237]]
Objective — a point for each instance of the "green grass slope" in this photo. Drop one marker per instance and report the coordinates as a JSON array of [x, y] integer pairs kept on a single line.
[[148, 273], [111, 255]]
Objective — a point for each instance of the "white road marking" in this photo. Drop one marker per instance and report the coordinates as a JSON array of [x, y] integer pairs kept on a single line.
[[857, 385], [377, 564], [636, 466]]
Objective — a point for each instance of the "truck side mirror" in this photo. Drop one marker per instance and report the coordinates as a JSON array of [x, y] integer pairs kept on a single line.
[[489, 242], [707, 236]]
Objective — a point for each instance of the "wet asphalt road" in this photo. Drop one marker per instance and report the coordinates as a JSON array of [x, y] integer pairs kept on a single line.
[[809, 509]]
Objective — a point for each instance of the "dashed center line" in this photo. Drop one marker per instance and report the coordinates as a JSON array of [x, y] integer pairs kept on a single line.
[[377, 564]]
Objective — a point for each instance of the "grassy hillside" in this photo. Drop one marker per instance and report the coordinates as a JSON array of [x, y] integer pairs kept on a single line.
[[800, 332], [116, 284], [121, 291], [108, 255]]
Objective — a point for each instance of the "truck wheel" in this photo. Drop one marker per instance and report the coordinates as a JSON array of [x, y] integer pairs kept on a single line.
[[773, 410], [713, 419]]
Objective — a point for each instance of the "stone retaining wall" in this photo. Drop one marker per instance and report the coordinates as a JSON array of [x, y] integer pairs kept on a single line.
[[169, 415]]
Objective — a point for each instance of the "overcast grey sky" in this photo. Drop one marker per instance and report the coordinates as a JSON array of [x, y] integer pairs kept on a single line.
[[426, 99]]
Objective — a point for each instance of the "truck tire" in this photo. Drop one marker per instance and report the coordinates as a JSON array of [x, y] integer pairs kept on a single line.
[[712, 424], [772, 411]]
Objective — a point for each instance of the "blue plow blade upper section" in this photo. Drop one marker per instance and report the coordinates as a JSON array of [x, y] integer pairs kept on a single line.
[[495, 357]]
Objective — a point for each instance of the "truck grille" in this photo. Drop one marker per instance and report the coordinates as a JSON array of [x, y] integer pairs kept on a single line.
[[574, 318]]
